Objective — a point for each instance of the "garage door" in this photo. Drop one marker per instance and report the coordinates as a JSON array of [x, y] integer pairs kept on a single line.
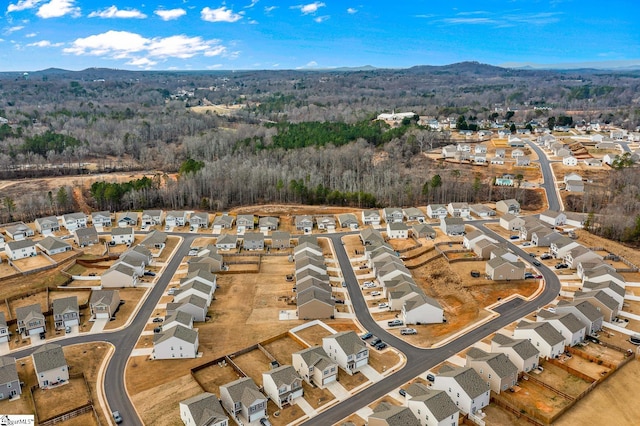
[[72, 323], [102, 315]]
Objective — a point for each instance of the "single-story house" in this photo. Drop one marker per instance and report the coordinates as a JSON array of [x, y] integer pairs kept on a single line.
[[19, 231], [570, 160], [414, 214], [422, 230], [481, 210]]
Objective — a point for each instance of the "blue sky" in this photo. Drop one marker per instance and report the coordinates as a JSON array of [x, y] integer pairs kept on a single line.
[[276, 34]]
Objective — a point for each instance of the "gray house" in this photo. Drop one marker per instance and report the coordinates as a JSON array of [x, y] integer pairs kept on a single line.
[[9, 380], [304, 223], [253, 241], [243, 400], [245, 222], [101, 218], [50, 365], [47, 225], [223, 222], [280, 240], [268, 223], [86, 236], [30, 320], [199, 220], [4, 328], [203, 409], [52, 245], [452, 225], [66, 312]]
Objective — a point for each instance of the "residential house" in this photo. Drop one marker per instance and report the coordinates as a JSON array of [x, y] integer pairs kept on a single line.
[[66, 312], [268, 223], [224, 221], [610, 158], [30, 321], [576, 219], [203, 410], [4, 329], [315, 367], [386, 414], [561, 246], [50, 365], [200, 275], [449, 151], [194, 305], [480, 148], [327, 223], [570, 160], [469, 241], [52, 245], [571, 176], [580, 254], [194, 287], [227, 242], [495, 368], [397, 230], [545, 338], [122, 235], [155, 239], [177, 318], [47, 225], [9, 380], [584, 310], [253, 241], [311, 248], [422, 230], [19, 231], [517, 153], [243, 400], [593, 162], [531, 224], [20, 249], [562, 152], [104, 303], [544, 237], [508, 206], [574, 186], [283, 385], [437, 211], [280, 240], [501, 153], [613, 289], [175, 218], [521, 352], [523, 161], [393, 214], [468, 391], [498, 160], [500, 269], [127, 219], [484, 248], [480, 158], [604, 303], [571, 328], [503, 252], [348, 220], [346, 349], [414, 214], [600, 275], [307, 261], [481, 210], [463, 147], [73, 221], [86, 236], [177, 342], [422, 309], [434, 408], [119, 275], [371, 217], [553, 218], [370, 236], [199, 220], [592, 266], [245, 222], [102, 218], [452, 225], [304, 223], [459, 210], [151, 218], [511, 222], [314, 303]]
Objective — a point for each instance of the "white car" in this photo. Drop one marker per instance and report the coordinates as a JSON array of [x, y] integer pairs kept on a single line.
[[383, 305], [375, 293]]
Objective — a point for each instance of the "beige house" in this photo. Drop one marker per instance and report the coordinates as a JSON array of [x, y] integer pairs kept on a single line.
[[104, 303], [499, 269], [315, 303], [495, 368], [243, 400], [314, 366], [119, 276]]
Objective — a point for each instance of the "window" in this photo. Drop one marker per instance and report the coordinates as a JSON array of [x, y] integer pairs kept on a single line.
[[458, 394], [489, 375]]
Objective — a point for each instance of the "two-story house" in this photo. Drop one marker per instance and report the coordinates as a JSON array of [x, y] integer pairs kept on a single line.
[[495, 368], [243, 400], [122, 235], [304, 223], [588, 314], [199, 220], [434, 408], [101, 218], [86, 236], [203, 410], [268, 223], [508, 206], [176, 343], [520, 352], [66, 312], [347, 350], [468, 391], [151, 218], [50, 365], [371, 217], [459, 210], [245, 222], [571, 328], [545, 338], [47, 225], [437, 211], [104, 303], [4, 329], [30, 320], [314, 366], [393, 214], [283, 385], [175, 218], [73, 221], [9, 380]]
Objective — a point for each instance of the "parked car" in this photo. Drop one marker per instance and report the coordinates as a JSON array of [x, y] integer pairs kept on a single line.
[[402, 392], [171, 291], [376, 293], [431, 377], [150, 273], [561, 266], [375, 340], [383, 305], [265, 422], [407, 331], [157, 330], [339, 301], [395, 323], [635, 339], [366, 336], [117, 417], [526, 244], [158, 319], [475, 274], [514, 237], [546, 256], [536, 263], [528, 275], [537, 277], [594, 339], [380, 346], [67, 329]]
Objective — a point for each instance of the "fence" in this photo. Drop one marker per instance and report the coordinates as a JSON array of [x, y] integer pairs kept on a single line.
[[416, 255], [424, 262], [571, 370], [70, 415], [547, 386], [519, 413]]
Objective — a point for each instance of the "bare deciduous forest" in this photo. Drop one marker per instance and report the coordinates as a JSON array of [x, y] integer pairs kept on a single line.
[[292, 136]]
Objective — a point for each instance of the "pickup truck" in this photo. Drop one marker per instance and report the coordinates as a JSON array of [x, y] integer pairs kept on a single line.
[[395, 323], [408, 331]]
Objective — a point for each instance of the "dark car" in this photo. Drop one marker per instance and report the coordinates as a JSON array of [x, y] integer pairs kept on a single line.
[[157, 330], [380, 346], [366, 336], [158, 319], [150, 274], [402, 392], [117, 417], [536, 263], [546, 256], [514, 237], [375, 341], [475, 274], [561, 266], [431, 377]]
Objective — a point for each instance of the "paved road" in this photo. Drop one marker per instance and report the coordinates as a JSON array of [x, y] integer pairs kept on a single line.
[[420, 360], [549, 185]]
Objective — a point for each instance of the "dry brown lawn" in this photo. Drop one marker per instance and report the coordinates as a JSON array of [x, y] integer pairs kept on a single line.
[[499, 416], [563, 380], [253, 364], [589, 240], [538, 401], [591, 369], [382, 361], [351, 382], [285, 415], [313, 335], [211, 378], [86, 419], [132, 297], [171, 244], [30, 263], [315, 396], [55, 401], [283, 348]]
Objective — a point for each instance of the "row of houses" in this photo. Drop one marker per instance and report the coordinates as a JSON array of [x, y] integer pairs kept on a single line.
[[399, 288], [502, 264], [244, 401], [22, 249], [50, 367], [314, 298]]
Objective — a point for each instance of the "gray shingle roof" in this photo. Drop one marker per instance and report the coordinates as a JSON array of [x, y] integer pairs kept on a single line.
[[127, 230], [544, 330], [438, 403], [244, 390], [349, 341], [34, 310], [18, 245], [8, 371], [284, 375], [314, 293], [498, 362], [180, 317], [180, 332], [394, 415], [48, 357], [103, 296], [618, 289], [205, 409], [468, 379], [585, 307], [52, 243], [599, 295], [65, 304], [153, 238], [315, 357], [523, 347]]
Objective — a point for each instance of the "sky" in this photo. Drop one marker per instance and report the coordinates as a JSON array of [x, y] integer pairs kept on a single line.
[[281, 34]]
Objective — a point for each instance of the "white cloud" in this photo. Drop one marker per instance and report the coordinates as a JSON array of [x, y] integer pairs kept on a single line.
[[311, 64], [268, 9], [351, 11], [310, 8], [221, 14], [13, 29], [320, 19], [114, 12], [169, 14], [31, 35], [22, 5], [58, 8], [44, 43], [253, 3], [253, 22], [141, 51], [214, 66]]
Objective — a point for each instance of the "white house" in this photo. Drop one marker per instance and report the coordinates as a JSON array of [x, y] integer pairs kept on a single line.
[[452, 225], [393, 214], [459, 210], [434, 408], [47, 225], [50, 365], [122, 235], [520, 352], [175, 343], [468, 391], [101, 218], [554, 218], [397, 230], [347, 350], [570, 160], [371, 217], [73, 221], [314, 366], [203, 409], [20, 249], [175, 218], [571, 328], [586, 312], [437, 211], [422, 309], [194, 305], [283, 385], [19, 231], [543, 336]]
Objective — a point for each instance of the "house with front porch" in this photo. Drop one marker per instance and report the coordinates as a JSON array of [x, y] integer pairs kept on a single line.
[[175, 218], [50, 366], [283, 385], [199, 220], [47, 225], [30, 321], [437, 211], [459, 210], [347, 350], [521, 352], [245, 222], [326, 223], [243, 400], [66, 312], [545, 338]]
